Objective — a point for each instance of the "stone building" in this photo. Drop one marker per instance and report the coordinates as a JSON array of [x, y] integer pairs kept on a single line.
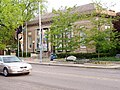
[[31, 37]]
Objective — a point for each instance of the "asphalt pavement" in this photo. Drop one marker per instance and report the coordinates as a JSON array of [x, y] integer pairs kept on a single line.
[[62, 62], [43, 77]]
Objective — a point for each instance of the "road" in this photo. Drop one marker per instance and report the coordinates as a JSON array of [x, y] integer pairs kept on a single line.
[[63, 78]]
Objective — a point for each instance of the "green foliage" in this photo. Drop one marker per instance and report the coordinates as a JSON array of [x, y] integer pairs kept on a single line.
[[84, 55], [24, 54], [101, 34], [14, 13], [107, 59], [61, 31]]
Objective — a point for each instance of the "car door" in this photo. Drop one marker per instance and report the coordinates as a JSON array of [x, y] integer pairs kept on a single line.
[[1, 65]]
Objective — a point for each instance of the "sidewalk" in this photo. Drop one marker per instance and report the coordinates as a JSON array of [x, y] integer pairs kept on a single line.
[[61, 62]]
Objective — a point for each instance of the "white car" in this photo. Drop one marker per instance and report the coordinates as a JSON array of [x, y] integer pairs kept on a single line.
[[13, 65]]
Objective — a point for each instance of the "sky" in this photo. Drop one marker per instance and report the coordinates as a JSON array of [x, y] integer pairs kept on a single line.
[[56, 4]]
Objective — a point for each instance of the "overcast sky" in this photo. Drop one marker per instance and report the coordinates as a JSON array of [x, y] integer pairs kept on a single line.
[[56, 4]]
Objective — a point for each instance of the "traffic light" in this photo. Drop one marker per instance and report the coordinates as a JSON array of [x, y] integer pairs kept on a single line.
[[19, 30]]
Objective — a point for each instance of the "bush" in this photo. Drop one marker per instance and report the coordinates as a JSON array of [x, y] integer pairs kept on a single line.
[[107, 59], [24, 54], [84, 55]]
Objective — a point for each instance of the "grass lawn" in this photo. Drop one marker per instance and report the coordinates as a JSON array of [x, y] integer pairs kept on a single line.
[[106, 59]]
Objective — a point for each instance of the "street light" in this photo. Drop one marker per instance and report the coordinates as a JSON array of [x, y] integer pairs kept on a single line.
[[40, 32], [33, 45]]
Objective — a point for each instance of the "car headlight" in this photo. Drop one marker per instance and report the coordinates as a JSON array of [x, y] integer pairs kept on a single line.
[[13, 67], [29, 66]]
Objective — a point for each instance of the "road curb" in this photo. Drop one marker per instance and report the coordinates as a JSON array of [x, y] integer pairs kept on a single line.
[[80, 66]]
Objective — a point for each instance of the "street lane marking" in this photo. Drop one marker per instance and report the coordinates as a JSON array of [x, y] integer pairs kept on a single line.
[[76, 75]]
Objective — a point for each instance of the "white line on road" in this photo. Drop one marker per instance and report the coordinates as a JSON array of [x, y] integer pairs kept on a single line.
[[76, 75]]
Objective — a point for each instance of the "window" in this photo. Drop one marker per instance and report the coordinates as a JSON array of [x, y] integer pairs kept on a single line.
[[45, 40], [0, 59], [29, 41], [11, 59], [82, 36], [38, 44]]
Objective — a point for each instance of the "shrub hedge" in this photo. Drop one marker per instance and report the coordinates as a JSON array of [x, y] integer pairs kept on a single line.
[[107, 59], [84, 55], [24, 54]]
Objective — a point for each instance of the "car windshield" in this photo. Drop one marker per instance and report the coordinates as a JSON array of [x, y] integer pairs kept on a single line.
[[11, 59]]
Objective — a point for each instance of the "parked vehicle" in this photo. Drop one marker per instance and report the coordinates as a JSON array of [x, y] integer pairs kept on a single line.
[[53, 56], [13, 65]]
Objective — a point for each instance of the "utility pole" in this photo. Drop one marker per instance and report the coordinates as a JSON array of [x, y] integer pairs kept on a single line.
[[40, 32], [22, 41], [18, 47], [26, 40]]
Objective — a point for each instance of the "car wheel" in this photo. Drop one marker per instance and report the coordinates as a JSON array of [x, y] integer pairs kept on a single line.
[[27, 73], [5, 72]]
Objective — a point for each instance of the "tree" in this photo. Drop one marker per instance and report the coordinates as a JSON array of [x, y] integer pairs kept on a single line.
[[61, 33], [14, 13], [102, 33], [7, 22], [116, 24]]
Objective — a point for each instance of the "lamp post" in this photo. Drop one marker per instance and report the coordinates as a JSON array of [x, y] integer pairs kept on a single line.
[[33, 45], [40, 33]]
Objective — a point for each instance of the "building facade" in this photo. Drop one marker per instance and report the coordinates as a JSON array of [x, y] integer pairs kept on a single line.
[[31, 41]]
